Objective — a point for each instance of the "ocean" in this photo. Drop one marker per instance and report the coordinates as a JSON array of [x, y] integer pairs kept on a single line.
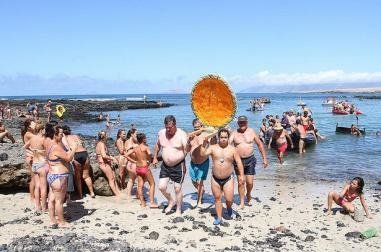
[[338, 158]]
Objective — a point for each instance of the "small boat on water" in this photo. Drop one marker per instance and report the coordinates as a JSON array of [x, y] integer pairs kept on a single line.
[[301, 103], [347, 130], [330, 101], [337, 111]]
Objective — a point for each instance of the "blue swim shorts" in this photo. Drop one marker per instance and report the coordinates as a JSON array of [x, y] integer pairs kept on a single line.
[[199, 172]]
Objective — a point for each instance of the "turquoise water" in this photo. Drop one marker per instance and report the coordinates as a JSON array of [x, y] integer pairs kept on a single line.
[[340, 157]]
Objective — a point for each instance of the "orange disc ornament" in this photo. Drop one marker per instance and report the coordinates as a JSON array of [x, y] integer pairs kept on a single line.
[[213, 102]]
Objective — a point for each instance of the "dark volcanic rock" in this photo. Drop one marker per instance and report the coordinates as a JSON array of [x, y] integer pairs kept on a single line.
[[273, 199], [353, 235], [340, 224], [153, 235], [309, 238], [178, 219]]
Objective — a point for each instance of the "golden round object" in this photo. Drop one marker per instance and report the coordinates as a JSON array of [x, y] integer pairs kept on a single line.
[[213, 102]]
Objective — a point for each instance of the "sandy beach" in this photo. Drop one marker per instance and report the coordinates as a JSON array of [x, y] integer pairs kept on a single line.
[[285, 216]]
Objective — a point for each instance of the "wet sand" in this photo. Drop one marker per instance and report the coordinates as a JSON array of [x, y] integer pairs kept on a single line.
[[285, 216]]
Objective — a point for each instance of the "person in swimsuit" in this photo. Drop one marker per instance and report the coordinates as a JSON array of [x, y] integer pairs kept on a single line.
[[173, 143], [280, 136], [243, 139], [40, 166], [27, 132], [48, 110], [263, 131], [57, 177], [120, 142], [105, 161], [199, 165], [223, 155], [5, 134], [143, 159], [302, 136], [81, 162], [305, 118], [129, 144], [349, 193]]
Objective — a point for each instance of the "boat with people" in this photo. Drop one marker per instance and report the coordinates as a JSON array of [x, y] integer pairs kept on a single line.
[[345, 108], [349, 130], [256, 105]]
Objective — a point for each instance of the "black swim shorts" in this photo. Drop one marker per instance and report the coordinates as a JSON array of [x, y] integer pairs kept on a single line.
[[175, 173], [248, 165]]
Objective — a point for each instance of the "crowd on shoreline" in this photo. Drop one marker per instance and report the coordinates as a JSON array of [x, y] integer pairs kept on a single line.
[[58, 160]]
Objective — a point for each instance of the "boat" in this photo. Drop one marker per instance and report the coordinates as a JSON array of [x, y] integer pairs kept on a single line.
[[301, 103], [330, 101], [337, 111], [347, 130]]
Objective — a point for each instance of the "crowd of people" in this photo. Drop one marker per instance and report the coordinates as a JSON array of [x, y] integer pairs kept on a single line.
[[59, 162], [289, 132], [345, 107]]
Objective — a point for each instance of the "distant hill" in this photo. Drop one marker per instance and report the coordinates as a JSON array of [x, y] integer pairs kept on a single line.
[[328, 87]]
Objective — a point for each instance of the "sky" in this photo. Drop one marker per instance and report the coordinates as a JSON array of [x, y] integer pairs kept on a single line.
[[93, 46]]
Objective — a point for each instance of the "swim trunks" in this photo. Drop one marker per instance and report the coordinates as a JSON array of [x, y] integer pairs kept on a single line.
[[248, 165], [141, 171], [282, 148], [175, 173], [222, 182], [199, 172]]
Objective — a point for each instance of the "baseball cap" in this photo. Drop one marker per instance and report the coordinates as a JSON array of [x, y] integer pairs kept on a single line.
[[242, 118]]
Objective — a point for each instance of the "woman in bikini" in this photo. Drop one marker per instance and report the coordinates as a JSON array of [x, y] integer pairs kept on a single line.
[[121, 138], [105, 161], [27, 132], [348, 194], [40, 167], [130, 143], [280, 136], [143, 159], [57, 177], [81, 163]]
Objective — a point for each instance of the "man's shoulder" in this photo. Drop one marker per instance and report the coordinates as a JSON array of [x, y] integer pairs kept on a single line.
[[161, 132]]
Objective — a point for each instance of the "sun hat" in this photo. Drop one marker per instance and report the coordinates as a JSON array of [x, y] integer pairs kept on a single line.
[[278, 126]]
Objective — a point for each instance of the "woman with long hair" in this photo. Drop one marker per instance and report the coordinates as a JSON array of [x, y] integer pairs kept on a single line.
[[105, 161], [122, 160], [131, 143], [40, 167], [57, 177], [27, 131]]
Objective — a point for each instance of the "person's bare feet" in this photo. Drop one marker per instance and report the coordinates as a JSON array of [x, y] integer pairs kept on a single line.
[[169, 207], [153, 205], [241, 206]]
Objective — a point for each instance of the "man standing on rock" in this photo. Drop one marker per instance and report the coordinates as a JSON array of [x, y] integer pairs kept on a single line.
[[172, 141], [223, 156], [243, 139]]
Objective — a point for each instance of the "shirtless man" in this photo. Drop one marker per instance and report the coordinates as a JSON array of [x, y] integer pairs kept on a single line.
[[143, 159], [243, 139], [280, 136], [172, 141], [5, 134], [223, 156], [302, 136], [305, 119], [199, 165]]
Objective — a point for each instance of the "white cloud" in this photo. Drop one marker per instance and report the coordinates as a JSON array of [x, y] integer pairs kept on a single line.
[[323, 77]]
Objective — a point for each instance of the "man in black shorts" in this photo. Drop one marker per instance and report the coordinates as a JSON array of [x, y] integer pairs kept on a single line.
[[172, 141]]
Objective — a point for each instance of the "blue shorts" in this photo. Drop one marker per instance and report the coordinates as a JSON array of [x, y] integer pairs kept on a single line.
[[199, 172]]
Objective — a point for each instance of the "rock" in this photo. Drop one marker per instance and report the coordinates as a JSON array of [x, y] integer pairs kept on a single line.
[[27, 210], [115, 212], [309, 238], [184, 229], [3, 156], [353, 235], [273, 199], [379, 182], [203, 239], [237, 233], [178, 219], [324, 236], [142, 216], [340, 224], [98, 225], [101, 187], [289, 208], [144, 228], [123, 232]]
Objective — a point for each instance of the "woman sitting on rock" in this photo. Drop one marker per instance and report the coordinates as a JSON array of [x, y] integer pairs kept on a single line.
[[105, 161], [58, 174]]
